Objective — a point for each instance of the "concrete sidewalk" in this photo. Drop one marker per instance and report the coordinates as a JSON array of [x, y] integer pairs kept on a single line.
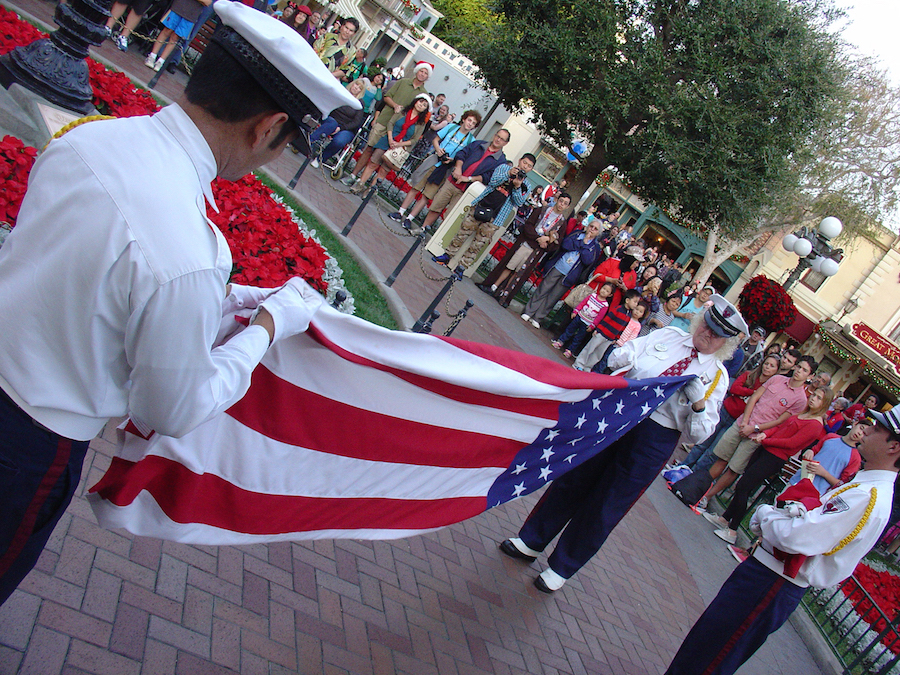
[[106, 602]]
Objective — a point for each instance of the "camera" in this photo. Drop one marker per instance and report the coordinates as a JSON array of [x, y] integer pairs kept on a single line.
[[446, 159]]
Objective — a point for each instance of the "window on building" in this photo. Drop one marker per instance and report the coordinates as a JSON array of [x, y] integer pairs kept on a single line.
[[895, 334], [813, 280], [427, 41], [461, 62], [444, 52], [548, 165]]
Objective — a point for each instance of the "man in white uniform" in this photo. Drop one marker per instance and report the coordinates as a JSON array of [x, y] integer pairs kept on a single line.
[[113, 283], [761, 594], [590, 500]]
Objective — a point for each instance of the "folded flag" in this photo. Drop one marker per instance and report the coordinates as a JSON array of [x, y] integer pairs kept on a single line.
[[353, 431]]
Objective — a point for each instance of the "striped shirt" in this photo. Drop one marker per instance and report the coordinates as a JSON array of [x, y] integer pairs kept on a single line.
[[614, 322]]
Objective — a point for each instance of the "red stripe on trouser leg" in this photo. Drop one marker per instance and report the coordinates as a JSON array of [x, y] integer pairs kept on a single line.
[[26, 526]]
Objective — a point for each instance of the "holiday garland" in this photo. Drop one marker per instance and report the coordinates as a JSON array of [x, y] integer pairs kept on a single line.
[[844, 355], [765, 303]]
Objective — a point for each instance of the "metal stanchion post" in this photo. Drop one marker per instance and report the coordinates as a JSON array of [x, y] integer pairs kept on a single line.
[[419, 239], [371, 193], [427, 326], [459, 316], [452, 279], [339, 297], [300, 171]]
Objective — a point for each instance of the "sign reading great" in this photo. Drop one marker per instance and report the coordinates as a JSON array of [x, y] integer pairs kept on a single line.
[[879, 343]]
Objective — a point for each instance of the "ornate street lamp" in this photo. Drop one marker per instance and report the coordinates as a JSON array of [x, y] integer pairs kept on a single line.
[[814, 249]]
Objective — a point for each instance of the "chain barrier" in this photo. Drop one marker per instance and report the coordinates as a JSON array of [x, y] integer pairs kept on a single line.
[[119, 25]]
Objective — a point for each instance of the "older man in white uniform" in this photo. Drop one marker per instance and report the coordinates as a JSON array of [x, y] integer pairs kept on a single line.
[[590, 500], [113, 283]]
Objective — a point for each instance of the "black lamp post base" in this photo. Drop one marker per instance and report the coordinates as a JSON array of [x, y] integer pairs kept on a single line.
[[51, 73]]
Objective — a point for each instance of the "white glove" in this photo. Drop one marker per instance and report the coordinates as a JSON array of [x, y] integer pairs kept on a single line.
[[292, 307], [755, 526], [244, 297], [620, 360], [694, 390], [795, 509]]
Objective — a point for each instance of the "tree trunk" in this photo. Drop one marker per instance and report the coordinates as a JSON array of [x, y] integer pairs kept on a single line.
[[591, 167]]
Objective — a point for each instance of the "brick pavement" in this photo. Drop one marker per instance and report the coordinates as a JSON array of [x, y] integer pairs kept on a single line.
[[106, 602]]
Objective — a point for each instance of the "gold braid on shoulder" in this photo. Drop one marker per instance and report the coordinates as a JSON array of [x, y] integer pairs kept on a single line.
[[712, 387], [77, 123], [873, 496]]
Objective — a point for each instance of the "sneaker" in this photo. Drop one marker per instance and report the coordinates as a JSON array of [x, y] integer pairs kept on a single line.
[[567, 354], [738, 553], [525, 317], [397, 217], [160, 62], [702, 504], [726, 535], [122, 42], [414, 229], [442, 259], [534, 323], [150, 61], [718, 521], [556, 344], [579, 368], [349, 179], [358, 187], [107, 31], [314, 163]]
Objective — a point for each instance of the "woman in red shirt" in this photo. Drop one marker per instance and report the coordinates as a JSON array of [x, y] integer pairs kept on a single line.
[[778, 445], [620, 272]]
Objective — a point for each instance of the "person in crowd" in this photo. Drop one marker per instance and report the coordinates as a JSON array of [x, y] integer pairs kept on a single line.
[[754, 348], [355, 68], [608, 330], [372, 95], [589, 312], [335, 49], [396, 97], [834, 420], [834, 461], [342, 125], [650, 294], [439, 100], [777, 446], [316, 30], [858, 411], [620, 271], [299, 19], [425, 184], [475, 163], [177, 23], [136, 10], [770, 405], [663, 317], [405, 128], [774, 348], [550, 191], [540, 236], [789, 358], [821, 379], [701, 455], [670, 278], [691, 306], [126, 232], [586, 503], [577, 252], [576, 222], [646, 272], [759, 596], [631, 331], [507, 190]]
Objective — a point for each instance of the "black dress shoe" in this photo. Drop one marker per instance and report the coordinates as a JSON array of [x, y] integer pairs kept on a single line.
[[510, 549], [484, 288], [542, 586]]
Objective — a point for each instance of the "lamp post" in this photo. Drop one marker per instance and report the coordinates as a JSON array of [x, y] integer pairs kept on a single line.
[[814, 249]]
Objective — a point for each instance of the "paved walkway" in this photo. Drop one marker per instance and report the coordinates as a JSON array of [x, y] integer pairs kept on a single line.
[[109, 603]]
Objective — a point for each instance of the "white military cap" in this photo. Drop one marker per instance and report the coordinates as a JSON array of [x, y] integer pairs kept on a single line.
[[724, 319]]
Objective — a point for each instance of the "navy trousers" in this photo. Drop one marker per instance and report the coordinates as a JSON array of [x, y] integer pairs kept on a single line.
[[39, 472], [753, 603], [591, 499]]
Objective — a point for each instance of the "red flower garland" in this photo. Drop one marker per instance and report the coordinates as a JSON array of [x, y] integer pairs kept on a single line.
[[884, 588], [765, 303], [16, 160]]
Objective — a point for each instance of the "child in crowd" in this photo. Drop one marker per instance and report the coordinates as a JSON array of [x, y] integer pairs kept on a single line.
[[590, 311], [663, 317], [179, 20], [631, 331], [608, 331]]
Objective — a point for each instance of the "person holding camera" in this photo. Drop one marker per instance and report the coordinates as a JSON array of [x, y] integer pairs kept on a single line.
[[507, 190], [427, 179]]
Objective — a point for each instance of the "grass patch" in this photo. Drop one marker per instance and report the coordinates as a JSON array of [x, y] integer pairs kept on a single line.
[[370, 303]]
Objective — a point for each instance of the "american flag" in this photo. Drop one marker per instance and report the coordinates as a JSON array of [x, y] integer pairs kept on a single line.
[[354, 431]]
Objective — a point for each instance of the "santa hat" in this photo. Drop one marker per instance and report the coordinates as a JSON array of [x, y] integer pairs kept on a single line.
[[427, 66]]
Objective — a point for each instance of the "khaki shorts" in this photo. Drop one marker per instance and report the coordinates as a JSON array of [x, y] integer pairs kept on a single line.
[[519, 257], [376, 134], [735, 449], [426, 188], [446, 197]]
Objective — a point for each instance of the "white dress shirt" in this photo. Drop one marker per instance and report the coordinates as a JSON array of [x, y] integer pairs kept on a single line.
[[651, 355], [833, 525], [112, 284]]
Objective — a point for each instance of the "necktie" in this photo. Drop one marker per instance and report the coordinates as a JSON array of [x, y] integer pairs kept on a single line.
[[679, 367]]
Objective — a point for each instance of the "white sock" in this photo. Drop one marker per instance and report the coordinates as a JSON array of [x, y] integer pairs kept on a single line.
[[494, 287], [402, 211]]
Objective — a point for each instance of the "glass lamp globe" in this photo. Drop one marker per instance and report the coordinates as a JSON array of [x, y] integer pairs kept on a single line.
[[817, 263], [803, 247], [789, 241], [830, 227], [830, 267]]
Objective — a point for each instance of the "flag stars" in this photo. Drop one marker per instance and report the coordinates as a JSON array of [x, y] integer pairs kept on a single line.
[[519, 469], [570, 458], [596, 403], [548, 453], [646, 408], [581, 421], [659, 391], [620, 406], [545, 474], [519, 489], [575, 441], [553, 433], [601, 426]]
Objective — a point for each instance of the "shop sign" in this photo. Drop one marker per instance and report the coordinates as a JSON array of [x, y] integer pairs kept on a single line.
[[878, 342]]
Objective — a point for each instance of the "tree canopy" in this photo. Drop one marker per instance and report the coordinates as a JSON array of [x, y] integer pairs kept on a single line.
[[700, 105]]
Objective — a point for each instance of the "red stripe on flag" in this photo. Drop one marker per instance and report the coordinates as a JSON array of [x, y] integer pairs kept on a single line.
[[543, 408], [187, 497], [290, 414]]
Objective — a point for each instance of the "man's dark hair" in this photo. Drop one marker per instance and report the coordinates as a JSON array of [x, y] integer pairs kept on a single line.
[[813, 364], [631, 293], [444, 95], [527, 155], [583, 214], [353, 21], [560, 195]]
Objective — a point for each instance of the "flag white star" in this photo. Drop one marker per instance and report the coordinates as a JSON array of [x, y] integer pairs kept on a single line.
[[545, 473], [553, 433], [518, 489], [619, 407], [548, 453], [601, 426], [636, 392], [645, 388], [574, 441], [645, 409], [596, 403], [519, 469], [609, 392], [581, 421], [622, 427], [570, 458], [659, 391]]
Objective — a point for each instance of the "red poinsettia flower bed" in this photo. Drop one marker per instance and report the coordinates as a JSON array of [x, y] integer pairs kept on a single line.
[[266, 244], [765, 303], [884, 588]]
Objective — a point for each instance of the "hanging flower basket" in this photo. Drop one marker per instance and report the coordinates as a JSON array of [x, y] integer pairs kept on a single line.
[[765, 303]]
